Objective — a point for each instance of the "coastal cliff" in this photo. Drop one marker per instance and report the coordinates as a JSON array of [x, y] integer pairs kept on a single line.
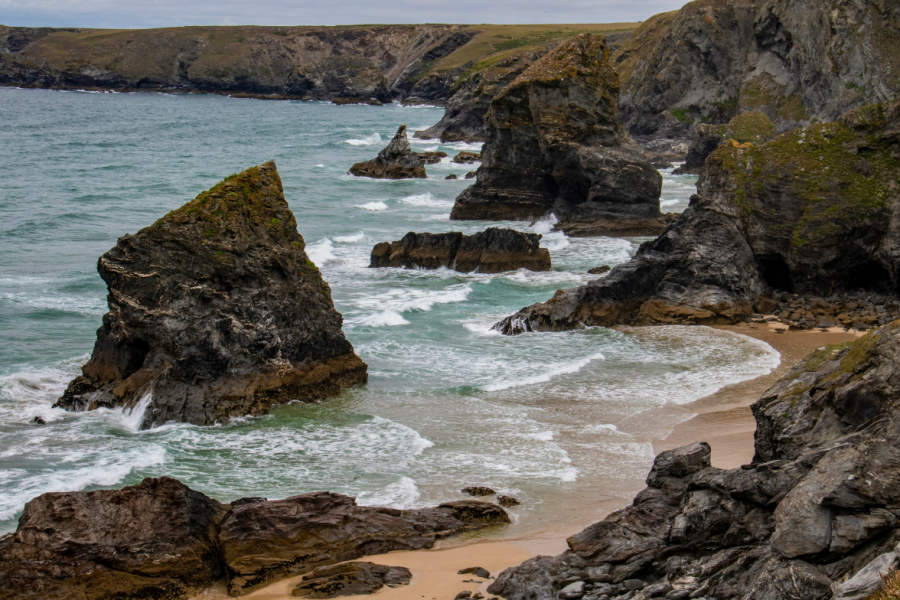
[[813, 516], [216, 311], [812, 212], [555, 143]]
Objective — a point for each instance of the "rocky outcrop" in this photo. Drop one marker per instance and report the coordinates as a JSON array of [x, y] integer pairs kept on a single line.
[[491, 251], [216, 311], [816, 512], [798, 62], [161, 539], [555, 144], [467, 158], [395, 161], [350, 579], [754, 127], [157, 539], [812, 212], [342, 79]]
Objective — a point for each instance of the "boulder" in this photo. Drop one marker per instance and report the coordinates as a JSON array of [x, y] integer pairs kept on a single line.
[[490, 251], [599, 270], [478, 490], [216, 311], [467, 158], [432, 157], [810, 212], [277, 539], [395, 161], [555, 143], [157, 539], [750, 127], [350, 579]]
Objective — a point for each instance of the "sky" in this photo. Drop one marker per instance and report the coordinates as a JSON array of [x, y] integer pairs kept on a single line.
[[172, 13]]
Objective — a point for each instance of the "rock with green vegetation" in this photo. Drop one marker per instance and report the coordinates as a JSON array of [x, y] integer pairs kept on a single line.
[[812, 212], [555, 144], [798, 62], [396, 161], [754, 127], [216, 311], [814, 514]]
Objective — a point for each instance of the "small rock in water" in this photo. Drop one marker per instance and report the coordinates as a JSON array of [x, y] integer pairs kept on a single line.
[[350, 579], [431, 157], [507, 501], [248, 500], [39, 421], [464, 594], [470, 175], [466, 158], [451, 176], [476, 571], [477, 596], [599, 270], [477, 490]]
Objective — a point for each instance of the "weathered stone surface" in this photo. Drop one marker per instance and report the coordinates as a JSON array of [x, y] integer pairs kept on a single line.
[[754, 127], [350, 579], [491, 251], [467, 158], [478, 490], [216, 311], [272, 540], [812, 211], [555, 143], [157, 539], [395, 161], [820, 519], [432, 157], [341, 79]]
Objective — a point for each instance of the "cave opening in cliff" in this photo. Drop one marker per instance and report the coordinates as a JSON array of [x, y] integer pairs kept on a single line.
[[775, 272], [870, 276]]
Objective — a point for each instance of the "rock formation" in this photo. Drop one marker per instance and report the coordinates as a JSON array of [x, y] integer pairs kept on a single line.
[[491, 251], [344, 79], [467, 158], [432, 157], [555, 143], [216, 311], [811, 212], [395, 161], [798, 62], [350, 579], [754, 127], [814, 514], [160, 539]]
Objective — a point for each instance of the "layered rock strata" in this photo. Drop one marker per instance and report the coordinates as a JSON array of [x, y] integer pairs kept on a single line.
[[754, 127], [396, 161], [812, 212], [813, 515], [216, 311], [160, 539], [555, 143], [491, 251], [350, 579]]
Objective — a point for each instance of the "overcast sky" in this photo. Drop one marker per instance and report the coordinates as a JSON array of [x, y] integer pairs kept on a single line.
[[170, 13]]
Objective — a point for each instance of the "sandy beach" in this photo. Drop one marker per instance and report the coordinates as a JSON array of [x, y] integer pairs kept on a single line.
[[722, 419]]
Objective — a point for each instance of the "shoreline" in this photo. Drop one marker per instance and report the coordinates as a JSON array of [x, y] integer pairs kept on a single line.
[[722, 419]]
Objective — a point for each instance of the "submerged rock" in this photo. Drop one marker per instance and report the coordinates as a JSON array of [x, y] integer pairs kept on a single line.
[[161, 539], [350, 579], [478, 490], [754, 127], [555, 143], [395, 161], [810, 212], [216, 311], [490, 251], [815, 513]]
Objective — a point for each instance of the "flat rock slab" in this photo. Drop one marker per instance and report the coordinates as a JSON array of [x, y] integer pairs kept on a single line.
[[350, 579]]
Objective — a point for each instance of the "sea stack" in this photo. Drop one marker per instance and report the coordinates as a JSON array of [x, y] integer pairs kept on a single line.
[[555, 143], [395, 161], [216, 311], [812, 212]]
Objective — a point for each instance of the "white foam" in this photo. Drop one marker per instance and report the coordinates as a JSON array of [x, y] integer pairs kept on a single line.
[[387, 318], [668, 202], [403, 494], [373, 206], [556, 371], [132, 418], [349, 239], [545, 224], [368, 140], [426, 199], [321, 252], [320, 166], [401, 300]]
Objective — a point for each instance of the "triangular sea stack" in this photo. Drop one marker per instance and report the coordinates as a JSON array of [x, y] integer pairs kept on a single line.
[[216, 311], [395, 161]]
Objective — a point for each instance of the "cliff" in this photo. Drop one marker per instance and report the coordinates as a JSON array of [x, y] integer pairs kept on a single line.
[[216, 311], [812, 212], [798, 62], [814, 515], [754, 127], [555, 143]]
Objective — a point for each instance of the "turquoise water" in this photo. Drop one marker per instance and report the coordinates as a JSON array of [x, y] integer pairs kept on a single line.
[[554, 419]]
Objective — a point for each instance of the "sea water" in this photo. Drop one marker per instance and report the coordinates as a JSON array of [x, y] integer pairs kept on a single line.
[[562, 421]]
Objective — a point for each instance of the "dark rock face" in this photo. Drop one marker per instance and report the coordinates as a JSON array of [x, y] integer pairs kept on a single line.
[[350, 579], [555, 143], [216, 311], [160, 539], [491, 251], [156, 539], [341, 78], [272, 540], [432, 157], [817, 506], [754, 127], [467, 158], [395, 161], [812, 212], [793, 61]]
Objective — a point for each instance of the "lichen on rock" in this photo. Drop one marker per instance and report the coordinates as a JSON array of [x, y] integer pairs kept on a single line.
[[216, 311], [750, 127]]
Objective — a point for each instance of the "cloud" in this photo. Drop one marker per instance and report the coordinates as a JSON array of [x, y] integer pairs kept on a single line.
[[169, 13]]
